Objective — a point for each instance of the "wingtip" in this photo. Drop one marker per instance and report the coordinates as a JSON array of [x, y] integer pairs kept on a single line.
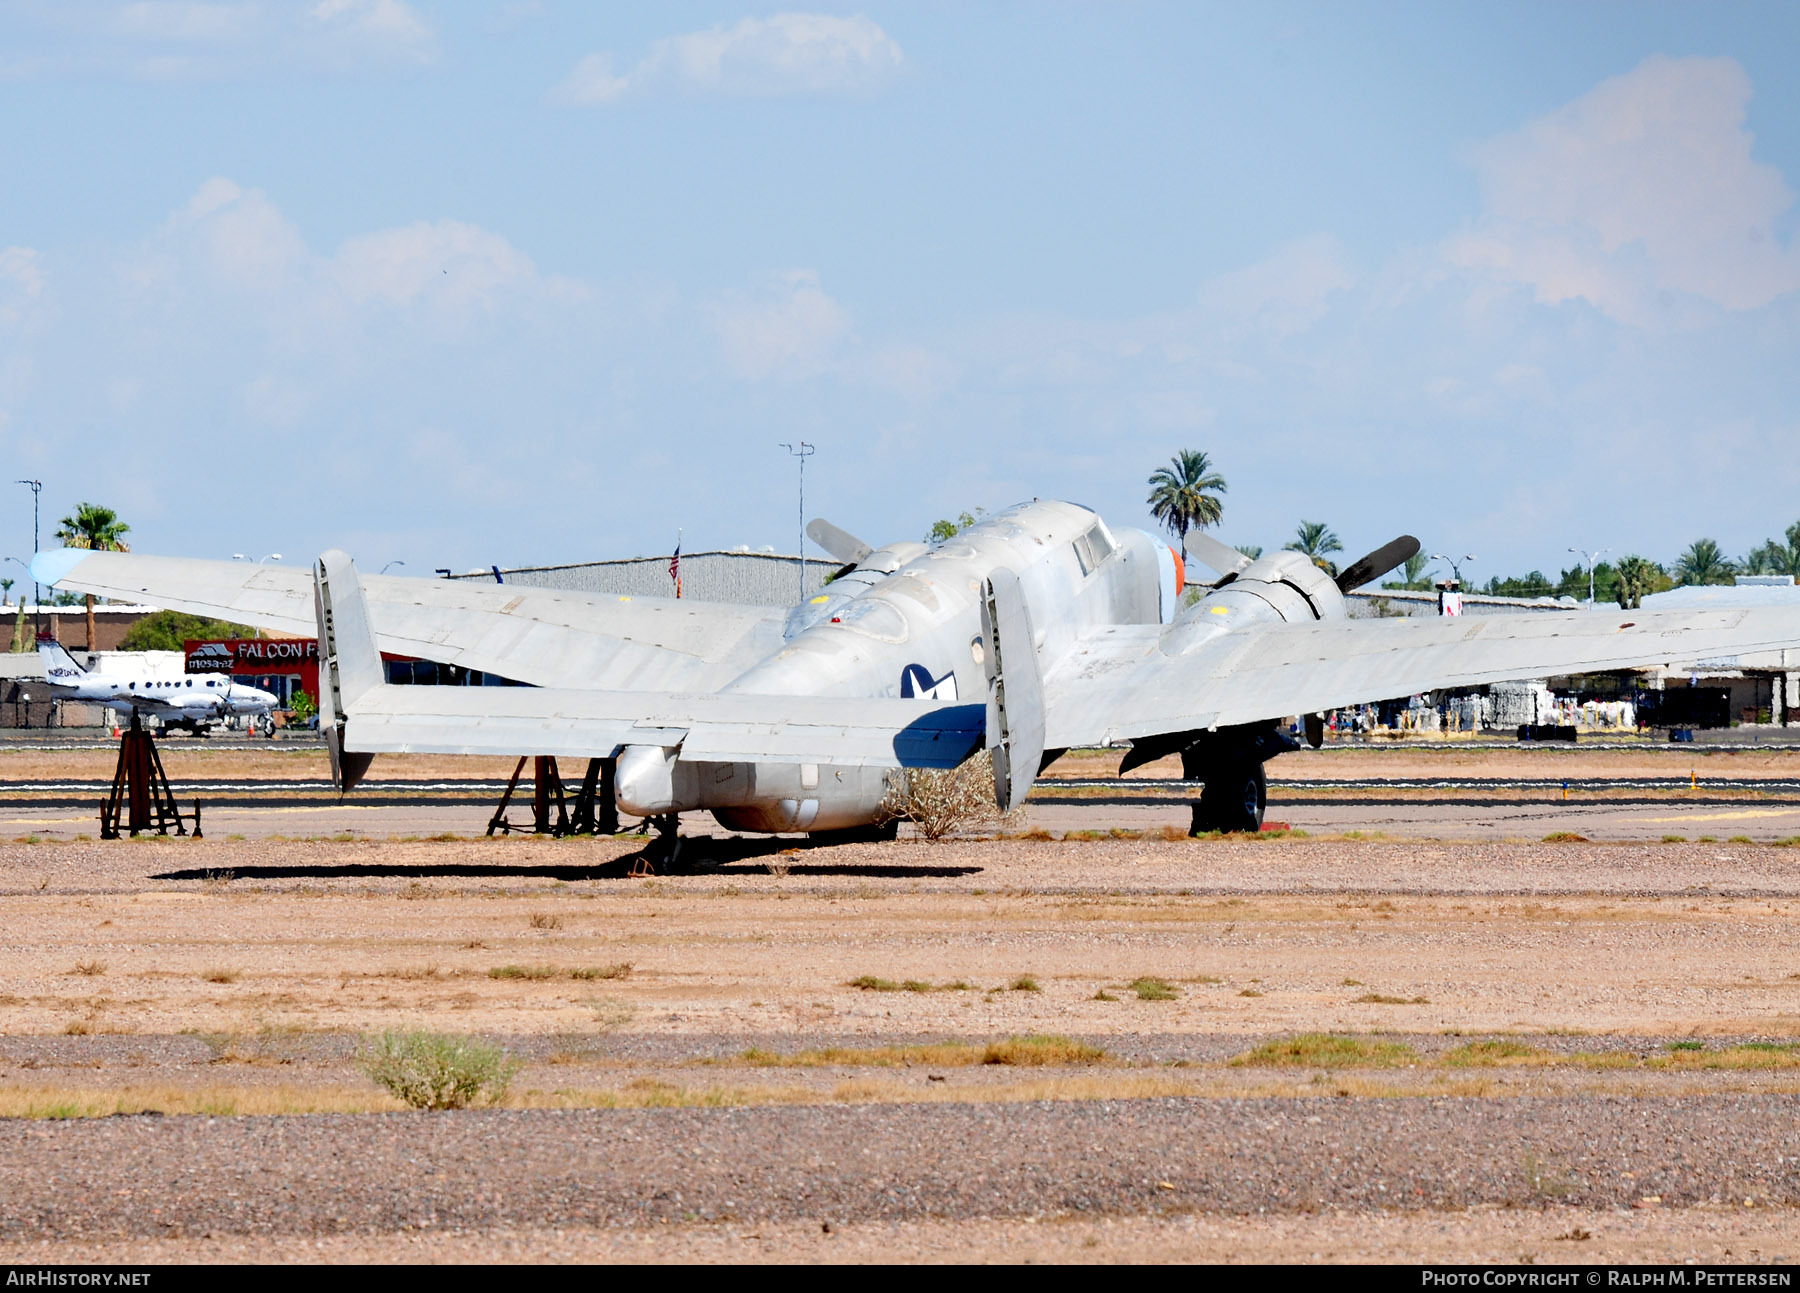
[[52, 567]]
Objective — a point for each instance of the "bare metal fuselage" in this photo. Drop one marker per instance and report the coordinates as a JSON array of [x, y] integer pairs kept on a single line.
[[907, 622]]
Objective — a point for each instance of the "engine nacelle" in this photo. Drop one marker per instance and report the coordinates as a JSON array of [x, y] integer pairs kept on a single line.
[[1283, 586]]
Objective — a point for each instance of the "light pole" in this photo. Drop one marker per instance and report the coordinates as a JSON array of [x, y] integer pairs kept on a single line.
[[390, 565], [804, 452], [1455, 567], [1590, 559], [37, 593], [273, 556]]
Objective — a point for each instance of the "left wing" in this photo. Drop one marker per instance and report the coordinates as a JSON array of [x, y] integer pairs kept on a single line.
[[543, 636], [1134, 681]]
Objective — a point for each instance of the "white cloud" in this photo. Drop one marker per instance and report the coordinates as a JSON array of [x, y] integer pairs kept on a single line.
[[789, 331], [199, 40], [1285, 291], [787, 55], [381, 27], [1639, 192], [448, 260]]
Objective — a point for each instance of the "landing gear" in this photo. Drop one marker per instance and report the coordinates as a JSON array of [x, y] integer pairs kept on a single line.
[[659, 856], [1232, 800], [1229, 764]]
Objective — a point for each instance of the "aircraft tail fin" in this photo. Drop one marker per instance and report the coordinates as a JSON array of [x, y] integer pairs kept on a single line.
[[58, 663], [349, 660]]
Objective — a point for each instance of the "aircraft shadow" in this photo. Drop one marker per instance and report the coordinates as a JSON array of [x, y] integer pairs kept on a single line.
[[699, 856]]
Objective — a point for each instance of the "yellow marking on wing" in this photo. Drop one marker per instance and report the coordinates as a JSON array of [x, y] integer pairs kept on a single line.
[[1218, 610]]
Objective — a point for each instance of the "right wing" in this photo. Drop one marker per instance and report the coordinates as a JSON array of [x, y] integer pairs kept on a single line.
[[1135, 680], [546, 637]]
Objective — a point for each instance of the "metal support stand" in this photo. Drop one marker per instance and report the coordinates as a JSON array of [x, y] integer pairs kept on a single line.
[[597, 804], [140, 791], [596, 810]]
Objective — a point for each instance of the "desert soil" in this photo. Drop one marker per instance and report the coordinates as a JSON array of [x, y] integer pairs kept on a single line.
[[1535, 1042]]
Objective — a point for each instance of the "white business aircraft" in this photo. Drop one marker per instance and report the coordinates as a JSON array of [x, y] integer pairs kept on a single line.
[[195, 702], [1033, 631]]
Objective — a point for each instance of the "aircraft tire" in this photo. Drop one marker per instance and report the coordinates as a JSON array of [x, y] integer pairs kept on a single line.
[[1232, 801]]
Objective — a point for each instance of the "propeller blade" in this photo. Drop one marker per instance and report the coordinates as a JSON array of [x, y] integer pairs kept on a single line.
[[841, 544], [1209, 552], [1377, 563]]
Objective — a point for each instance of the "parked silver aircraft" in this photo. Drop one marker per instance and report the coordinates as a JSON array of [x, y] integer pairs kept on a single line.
[[196, 702], [1036, 630]]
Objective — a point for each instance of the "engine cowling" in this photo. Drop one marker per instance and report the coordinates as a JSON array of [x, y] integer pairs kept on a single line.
[[1282, 586]]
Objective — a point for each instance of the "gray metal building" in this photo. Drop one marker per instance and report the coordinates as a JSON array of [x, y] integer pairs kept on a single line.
[[743, 578]]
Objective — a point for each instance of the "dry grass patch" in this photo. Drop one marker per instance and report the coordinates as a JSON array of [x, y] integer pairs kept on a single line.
[[621, 970], [1496, 1053], [89, 969], [1326, 1050], [1384, 999], [545, 920], [221, 975], [1149, 989], [1026, 1051], [215, 1101]]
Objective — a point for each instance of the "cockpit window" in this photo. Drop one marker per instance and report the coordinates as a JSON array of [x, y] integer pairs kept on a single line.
[[875, 616], [1093, 548]]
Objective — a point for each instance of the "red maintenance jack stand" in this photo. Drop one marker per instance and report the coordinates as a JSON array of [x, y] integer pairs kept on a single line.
[[140, 790]]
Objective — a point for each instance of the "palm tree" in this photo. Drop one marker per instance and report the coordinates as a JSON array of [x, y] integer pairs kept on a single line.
[[1636, 577], [6, 592], [1314, 539], [1251, 550], [96, 527], [1412, 574], [1703, 563], [1186, 493]]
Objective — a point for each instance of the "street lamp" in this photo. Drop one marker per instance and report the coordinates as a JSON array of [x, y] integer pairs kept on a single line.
[[37, 593], [804, 452], [273, 556], [1455, 566], [1590, 559], [390, 565]]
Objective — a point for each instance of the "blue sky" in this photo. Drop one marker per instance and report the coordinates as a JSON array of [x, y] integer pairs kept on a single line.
[[514, 282]]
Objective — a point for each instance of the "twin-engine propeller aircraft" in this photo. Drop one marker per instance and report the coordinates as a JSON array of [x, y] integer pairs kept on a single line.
[[196, 702], [1033, 631]]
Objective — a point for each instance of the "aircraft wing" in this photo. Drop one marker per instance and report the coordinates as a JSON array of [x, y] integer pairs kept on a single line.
[[887, 733], [1124, 683], [546, 637]]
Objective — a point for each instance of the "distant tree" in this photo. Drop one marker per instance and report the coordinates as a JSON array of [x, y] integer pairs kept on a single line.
[[168, 630], [1185, 494], [1315, 539], [6, 592], [1703, 563], [943, 531], [1770, 558], [1637, 577], [1532, 585], [1574, 582], [1251, 550], [96, 527], [1412, 575]]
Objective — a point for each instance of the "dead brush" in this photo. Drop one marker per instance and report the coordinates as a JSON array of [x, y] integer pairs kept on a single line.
[[221, 975], [89, 969], [944, 801], [545, 920]]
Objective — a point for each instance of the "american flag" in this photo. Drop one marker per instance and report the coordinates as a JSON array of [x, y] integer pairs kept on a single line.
[[675, 566]]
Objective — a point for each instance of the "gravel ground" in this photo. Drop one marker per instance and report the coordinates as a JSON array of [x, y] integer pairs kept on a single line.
[[1558, 1234], [488, 1170]]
